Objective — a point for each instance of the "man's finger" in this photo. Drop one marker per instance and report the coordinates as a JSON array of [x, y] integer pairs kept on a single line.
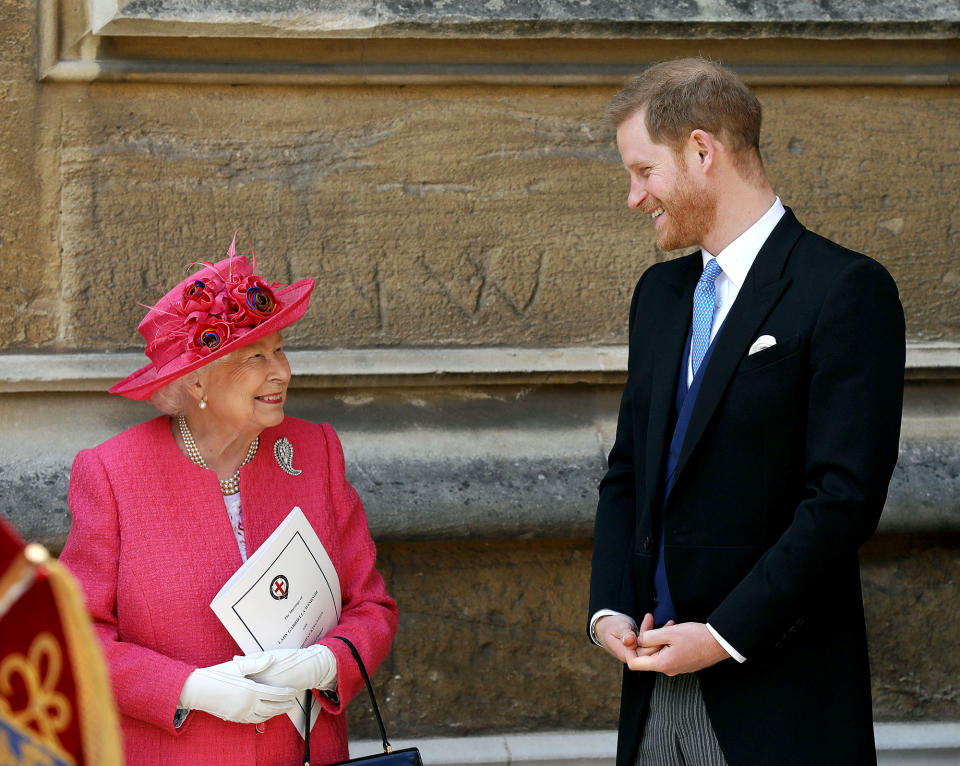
[[621, 652], [656, 637], [650, 662]]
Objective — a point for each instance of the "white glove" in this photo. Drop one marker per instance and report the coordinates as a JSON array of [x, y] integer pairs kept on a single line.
[[222, 690], [312, 668]]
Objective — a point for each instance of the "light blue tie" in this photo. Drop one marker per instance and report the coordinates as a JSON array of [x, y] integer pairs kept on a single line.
[[704, 307]]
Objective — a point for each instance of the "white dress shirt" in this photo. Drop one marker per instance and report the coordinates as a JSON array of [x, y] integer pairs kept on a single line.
[[735, 260]]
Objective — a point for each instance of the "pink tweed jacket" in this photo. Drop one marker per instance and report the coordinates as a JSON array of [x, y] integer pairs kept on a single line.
[[151, 544]]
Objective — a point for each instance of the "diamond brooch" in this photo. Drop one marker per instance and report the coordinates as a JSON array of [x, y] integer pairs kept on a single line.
[[283, 452]]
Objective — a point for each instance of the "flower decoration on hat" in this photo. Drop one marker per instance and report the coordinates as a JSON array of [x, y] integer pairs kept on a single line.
[[216, 306], [219, 309], [253, 299], [211, 335], [199, 292], [261, 301]]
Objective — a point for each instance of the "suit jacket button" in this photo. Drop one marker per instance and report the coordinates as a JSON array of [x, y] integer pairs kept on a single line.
[[647, 543]]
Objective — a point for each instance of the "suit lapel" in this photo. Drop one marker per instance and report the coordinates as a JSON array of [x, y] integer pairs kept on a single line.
[[667, 350], [762, 288]]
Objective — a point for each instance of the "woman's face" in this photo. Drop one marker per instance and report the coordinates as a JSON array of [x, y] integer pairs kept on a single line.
[[246, 391]]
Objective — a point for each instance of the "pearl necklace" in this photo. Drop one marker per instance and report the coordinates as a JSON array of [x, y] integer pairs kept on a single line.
[[228, 486]]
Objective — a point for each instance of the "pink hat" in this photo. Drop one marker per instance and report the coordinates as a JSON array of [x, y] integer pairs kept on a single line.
[[221, 308]]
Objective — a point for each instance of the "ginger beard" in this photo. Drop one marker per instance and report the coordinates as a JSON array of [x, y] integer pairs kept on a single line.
[[690, 212]]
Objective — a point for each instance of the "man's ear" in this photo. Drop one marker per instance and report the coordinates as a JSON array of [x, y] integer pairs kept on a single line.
[[701, 150]]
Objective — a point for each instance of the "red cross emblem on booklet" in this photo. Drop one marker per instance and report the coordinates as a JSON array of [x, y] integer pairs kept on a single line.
[[279, 588]]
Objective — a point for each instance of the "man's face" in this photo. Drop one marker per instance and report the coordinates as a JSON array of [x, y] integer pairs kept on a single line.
[[683, 209]]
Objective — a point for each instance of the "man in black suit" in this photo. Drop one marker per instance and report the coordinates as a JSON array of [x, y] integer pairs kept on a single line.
[[757, 434]]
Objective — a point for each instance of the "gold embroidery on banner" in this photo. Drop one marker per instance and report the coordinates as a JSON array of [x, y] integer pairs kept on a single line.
[[95, 710], [29, 754], [47, 711]]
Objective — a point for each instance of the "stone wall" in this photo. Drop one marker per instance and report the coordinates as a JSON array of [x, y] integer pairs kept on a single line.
[[453, 189], [431, 216], [494, 632]]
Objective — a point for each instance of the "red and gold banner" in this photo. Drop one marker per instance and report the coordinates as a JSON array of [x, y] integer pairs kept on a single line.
[[56, 707]]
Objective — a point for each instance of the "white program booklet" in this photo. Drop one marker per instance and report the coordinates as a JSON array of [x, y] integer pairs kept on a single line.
[[286, 595]]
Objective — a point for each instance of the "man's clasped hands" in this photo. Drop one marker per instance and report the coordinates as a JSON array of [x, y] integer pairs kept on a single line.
[[672, 649]]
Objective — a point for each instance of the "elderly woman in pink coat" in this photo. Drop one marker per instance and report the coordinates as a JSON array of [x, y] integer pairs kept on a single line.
[[165, 512]]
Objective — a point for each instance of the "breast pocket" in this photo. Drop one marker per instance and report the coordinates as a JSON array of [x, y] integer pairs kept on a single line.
[[782, 350]]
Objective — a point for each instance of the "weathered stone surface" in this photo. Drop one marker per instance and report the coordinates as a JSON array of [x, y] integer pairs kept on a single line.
[[911, 588], [450, 463], [818, 155], [410, 225], [446, 216], [520, 17], [29, 285], [509, 616], [925, 488], [34, 499], [18, 39], [492, 638]]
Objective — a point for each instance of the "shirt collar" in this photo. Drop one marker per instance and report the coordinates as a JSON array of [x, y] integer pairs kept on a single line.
[[737, 257]]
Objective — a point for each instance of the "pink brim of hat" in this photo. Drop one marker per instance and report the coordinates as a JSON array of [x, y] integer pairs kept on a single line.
[[143, 383]]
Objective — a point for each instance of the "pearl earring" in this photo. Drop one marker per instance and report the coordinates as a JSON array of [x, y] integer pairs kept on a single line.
[[203, 404]]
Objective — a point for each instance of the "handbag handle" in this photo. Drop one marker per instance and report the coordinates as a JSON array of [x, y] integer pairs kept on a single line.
[[387, 748], [306, 728]]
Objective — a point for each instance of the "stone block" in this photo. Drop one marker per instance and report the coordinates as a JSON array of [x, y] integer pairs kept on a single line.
[[30, 286], [911, 588], [422, 224], [492, 637], [457, 216], [817, 153], [18, 22], [496, 18], [451, 463], [923, 490]]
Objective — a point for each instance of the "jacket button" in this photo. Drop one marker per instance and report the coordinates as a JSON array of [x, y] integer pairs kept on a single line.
[[647, 543]]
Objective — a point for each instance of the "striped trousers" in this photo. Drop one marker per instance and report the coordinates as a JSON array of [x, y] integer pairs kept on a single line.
[[678, 731]]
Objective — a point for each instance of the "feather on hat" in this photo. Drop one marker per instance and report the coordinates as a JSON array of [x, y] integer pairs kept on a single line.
[[221, 308]]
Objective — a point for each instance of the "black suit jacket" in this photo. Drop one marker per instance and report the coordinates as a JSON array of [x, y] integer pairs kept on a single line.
[[782, 476]]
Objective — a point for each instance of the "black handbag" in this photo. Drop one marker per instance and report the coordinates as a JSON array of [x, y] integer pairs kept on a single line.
[[409, 756]]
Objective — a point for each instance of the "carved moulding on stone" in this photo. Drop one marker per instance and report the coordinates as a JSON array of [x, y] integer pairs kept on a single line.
[[443, 443], [390, 367], [526, 18], [525, 42]]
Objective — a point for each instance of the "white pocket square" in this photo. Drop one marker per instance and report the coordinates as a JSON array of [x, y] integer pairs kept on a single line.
[[764, 341]]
